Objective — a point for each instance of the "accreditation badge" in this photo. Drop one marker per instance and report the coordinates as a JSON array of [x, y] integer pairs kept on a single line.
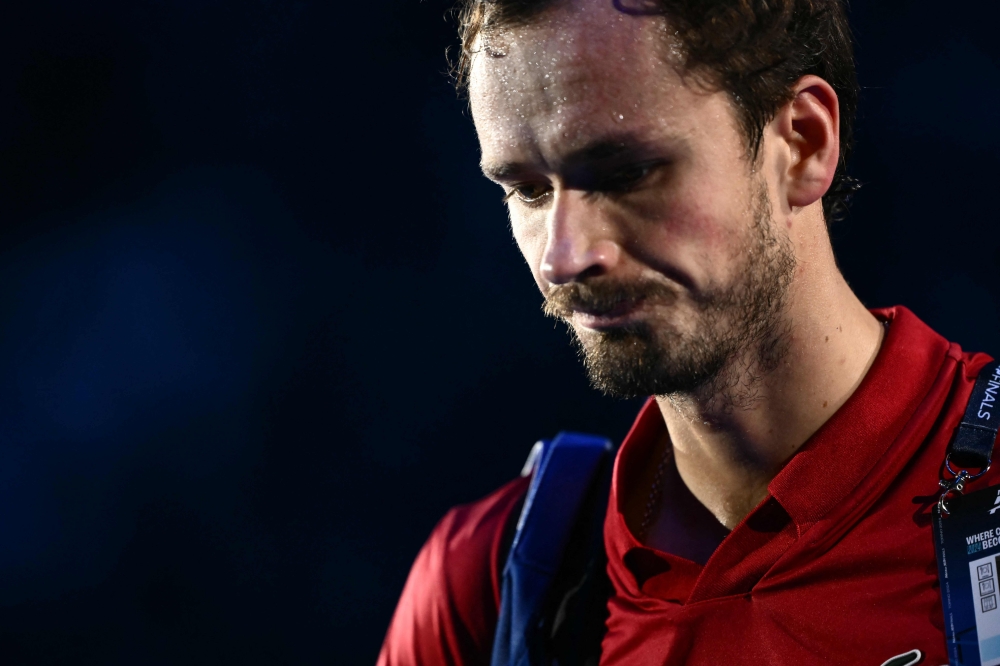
[[967, 542]]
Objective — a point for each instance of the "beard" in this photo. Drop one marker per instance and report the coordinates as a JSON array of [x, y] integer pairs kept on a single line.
[[737, 333]]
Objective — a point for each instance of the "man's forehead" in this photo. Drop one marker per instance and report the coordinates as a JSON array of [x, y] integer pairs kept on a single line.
[[565, 46], [570, 76]]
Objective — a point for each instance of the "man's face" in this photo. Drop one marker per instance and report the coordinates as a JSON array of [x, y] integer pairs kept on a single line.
[[632, 199]]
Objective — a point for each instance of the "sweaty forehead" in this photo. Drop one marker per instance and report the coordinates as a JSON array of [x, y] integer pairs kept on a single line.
[[577, 71]]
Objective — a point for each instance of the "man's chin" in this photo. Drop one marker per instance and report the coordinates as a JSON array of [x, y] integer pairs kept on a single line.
[[631, 362]]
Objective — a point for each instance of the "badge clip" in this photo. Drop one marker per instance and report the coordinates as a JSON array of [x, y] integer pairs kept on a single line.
[[956, 484]]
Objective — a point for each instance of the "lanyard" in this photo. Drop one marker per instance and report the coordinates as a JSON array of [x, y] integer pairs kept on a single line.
[[972, 447]]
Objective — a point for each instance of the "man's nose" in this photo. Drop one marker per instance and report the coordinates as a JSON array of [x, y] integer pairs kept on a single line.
[[580, 241]]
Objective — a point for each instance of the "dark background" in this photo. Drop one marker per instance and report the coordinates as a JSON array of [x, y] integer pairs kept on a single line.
[[262, 322]]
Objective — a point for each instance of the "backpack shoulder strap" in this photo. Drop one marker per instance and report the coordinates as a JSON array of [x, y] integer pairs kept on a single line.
[[570, 474]]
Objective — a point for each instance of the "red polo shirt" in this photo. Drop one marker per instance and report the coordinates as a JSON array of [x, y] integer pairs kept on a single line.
[[835, 566]]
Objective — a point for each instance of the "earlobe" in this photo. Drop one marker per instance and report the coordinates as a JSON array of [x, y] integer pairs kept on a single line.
[[810, 125]]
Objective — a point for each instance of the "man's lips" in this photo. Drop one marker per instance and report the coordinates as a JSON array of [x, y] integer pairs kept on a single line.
[[620, 315]]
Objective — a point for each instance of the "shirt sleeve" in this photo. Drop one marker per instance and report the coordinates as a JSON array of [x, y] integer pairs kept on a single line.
[[448, 611]]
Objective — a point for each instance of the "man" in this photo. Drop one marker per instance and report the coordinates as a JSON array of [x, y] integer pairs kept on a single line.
[[670, 168]]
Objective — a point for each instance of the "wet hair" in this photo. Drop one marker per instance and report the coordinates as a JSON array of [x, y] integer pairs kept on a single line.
[[754, 50]]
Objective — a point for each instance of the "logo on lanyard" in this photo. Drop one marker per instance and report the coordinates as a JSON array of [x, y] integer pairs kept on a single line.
[[988, 400]]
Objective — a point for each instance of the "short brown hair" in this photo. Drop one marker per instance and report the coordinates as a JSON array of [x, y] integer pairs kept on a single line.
[[754, 50]]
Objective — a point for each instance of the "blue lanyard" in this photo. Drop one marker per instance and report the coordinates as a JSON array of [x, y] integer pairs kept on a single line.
[[972, 447]]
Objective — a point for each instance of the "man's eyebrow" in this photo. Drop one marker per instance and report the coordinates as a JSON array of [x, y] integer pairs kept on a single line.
[[604, 149], [502, 171], [607, 149]]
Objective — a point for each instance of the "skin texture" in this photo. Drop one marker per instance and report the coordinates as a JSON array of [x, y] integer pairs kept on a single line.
[[620, 169]]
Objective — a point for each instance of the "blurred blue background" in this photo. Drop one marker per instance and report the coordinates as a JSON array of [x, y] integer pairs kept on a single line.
[[262, 322]]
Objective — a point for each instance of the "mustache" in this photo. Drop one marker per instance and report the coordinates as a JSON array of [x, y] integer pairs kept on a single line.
[[602, 297]]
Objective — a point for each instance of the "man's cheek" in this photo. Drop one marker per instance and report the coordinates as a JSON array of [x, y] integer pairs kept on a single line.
[[700, 238]]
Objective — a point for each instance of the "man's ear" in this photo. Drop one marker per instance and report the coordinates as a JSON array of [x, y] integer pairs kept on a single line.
[[808, 129]]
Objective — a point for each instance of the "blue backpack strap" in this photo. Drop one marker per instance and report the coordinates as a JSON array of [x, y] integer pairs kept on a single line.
[[565, 471]]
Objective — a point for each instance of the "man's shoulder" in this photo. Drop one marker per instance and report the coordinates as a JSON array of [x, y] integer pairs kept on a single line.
[[449, 606], [476, 534]]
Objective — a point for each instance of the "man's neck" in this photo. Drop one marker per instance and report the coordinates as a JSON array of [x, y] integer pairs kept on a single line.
[[728, 450]]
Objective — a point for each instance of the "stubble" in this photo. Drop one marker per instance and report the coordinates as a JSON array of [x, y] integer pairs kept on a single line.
[[738, 335]]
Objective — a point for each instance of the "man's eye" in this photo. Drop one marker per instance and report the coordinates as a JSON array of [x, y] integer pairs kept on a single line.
[[628, 178], [531, 193]]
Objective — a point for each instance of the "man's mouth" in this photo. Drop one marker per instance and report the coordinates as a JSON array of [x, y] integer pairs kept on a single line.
[[620, 315]]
